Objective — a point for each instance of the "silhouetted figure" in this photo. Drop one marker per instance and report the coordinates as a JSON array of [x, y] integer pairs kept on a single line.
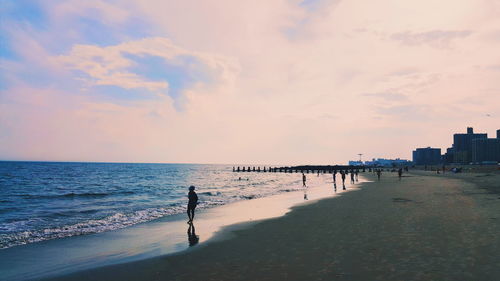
[[192, 237], [379, 172], [357, 176], [193, 201], [342, 174], [400, 173], [304, 180], [334, 176], [352, 177], [335, 186]]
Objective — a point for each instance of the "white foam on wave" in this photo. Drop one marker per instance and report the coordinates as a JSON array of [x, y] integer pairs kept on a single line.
[[116, 221]]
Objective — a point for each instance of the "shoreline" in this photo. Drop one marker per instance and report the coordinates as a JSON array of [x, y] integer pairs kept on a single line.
[[420, 228], [164, 236]]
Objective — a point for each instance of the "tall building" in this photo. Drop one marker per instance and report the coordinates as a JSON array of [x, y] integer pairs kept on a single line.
[[486, 150], [427, 156], [461, 151]]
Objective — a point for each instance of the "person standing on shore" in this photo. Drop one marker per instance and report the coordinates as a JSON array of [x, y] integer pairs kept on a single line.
[[342, 174], [193, 201], [379, 172], [304, 186], [352, 177], [400, 173], [357, 175], [334, 176]]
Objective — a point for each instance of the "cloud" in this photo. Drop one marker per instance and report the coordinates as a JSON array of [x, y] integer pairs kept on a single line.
[[118, 65], [388, 96], [434, 38]]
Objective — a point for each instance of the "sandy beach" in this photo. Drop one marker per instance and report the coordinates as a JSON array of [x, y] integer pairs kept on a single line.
[[424, 227]]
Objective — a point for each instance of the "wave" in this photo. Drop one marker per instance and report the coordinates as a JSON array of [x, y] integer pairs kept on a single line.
[[116, 221], [73, 195], [210, 193]]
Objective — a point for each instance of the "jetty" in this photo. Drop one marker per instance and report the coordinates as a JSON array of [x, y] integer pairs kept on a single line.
[[322, 169]]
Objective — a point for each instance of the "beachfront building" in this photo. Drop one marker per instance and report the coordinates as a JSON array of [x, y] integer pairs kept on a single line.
[[486, 151], [355, 163], [427, 156], [461, 150]]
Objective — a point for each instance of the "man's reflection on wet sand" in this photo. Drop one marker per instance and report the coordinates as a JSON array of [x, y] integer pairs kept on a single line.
[[192, 237]]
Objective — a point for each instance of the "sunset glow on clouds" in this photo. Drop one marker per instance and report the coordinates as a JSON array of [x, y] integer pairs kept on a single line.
[[227, 81]]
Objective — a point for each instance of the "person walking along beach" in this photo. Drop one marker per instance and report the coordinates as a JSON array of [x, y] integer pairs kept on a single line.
[[357, 176], [379, 172], [193, 201], [352, 177], [304, 186], [400, 173], [334, 176], [342, 174]]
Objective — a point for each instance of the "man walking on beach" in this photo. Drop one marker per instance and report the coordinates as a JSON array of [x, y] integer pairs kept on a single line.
[[304, 186], [352, 177], [193, 201], [379, 172], [334, 176], [342, 174], [400, 173]]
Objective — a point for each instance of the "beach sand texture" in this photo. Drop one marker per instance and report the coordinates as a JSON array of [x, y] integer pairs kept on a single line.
[[424, 227]]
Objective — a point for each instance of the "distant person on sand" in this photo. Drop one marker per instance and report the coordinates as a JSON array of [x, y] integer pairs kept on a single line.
[[193, 201], [400, 173], [357, 176], [352, 177], [192, 237], [342, 174], [379, 172], [304, 186], [334, 176]]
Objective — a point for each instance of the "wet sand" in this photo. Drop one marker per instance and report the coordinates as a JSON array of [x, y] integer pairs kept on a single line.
[[424, 227]]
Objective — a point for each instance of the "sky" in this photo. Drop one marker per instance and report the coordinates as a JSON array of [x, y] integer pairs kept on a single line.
[[249, 82]]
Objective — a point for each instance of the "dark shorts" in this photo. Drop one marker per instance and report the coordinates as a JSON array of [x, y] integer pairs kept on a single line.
[[191, 206]]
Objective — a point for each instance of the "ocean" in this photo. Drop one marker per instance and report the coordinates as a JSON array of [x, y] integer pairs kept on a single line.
[[50, 200]]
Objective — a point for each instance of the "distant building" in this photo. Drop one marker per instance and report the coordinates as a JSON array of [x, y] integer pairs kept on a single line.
[[356, 163], [427, 156], [486, 150], [461, 151]]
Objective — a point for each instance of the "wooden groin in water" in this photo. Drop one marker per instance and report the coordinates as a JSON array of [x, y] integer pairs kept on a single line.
[[322, 169]]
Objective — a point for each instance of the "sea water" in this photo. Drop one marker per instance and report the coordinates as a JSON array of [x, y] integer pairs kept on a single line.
[[48, 200]]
